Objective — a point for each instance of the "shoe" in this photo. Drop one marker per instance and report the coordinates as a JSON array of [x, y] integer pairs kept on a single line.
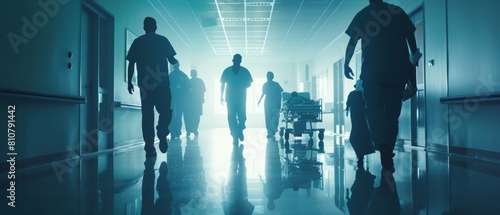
[[163, 145]]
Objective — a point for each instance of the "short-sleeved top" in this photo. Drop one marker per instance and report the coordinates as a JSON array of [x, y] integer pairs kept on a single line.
[[197, 90], [236, 84], [179, 85], [272, 90], [150, 51], [383, 29]]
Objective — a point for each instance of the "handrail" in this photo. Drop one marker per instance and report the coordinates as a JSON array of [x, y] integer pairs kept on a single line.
[[42, 96], [118, 104], [484, 97]]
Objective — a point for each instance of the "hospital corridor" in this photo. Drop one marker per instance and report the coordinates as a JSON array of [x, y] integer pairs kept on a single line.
[[239, 107]]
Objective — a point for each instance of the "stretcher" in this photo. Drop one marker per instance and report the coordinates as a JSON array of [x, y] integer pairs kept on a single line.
[[298, 118]]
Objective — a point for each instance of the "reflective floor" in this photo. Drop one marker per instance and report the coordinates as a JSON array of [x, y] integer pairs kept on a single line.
[[208, 175]]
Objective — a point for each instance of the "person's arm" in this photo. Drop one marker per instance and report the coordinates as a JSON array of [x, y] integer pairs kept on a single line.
[[349, 52], [250, 79], [131, 68], [203, 91], [412, 42], [348, 104], [222, 88], [415, 52], [172, 60], [261, 96]]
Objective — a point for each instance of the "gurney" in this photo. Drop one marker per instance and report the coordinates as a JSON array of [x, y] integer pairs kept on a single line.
[[297, 116]]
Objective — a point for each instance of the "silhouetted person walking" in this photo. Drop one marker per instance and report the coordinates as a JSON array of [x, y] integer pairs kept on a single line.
[[179, 85], [195, 103], [151, 52], [236, 79], [385, 31], [272, 104], [360, 135]]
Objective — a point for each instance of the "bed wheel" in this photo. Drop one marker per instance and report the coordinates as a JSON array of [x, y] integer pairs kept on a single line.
[[321, 134], [287, 147], [321, 146]]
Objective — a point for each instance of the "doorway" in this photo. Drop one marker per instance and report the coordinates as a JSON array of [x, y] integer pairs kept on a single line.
[[96, 79]]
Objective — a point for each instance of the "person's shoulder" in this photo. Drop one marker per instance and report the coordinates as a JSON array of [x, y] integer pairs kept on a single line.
[[226, 70], [393, 9], [389, 5], [159, 36], [366, 10], [140, 38], [244, 69]]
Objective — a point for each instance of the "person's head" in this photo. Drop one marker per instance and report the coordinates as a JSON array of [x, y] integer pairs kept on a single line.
[[294, 94], [149, 24], [237, 59], [375, 1], [194, 73], [175, 67], [270, 76]]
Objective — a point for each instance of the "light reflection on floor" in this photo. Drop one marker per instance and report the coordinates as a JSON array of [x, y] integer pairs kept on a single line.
[[208, 176]]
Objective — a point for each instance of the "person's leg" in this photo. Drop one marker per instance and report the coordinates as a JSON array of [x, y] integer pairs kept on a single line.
[[147, 109], [268, 115], [196, 118], [175, 124], [393, 95], [241, 113], [275, 118], [188, 119], [163, 99], [375, 113], [231, 119], [377, 120]]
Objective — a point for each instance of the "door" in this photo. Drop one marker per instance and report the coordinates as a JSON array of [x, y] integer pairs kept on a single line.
[[96, 80], [96, 116], [418, 101]]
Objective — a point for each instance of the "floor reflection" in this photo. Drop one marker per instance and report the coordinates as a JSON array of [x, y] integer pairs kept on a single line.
[[235, 193], [361, 192], [273, 185], [207, 175]]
